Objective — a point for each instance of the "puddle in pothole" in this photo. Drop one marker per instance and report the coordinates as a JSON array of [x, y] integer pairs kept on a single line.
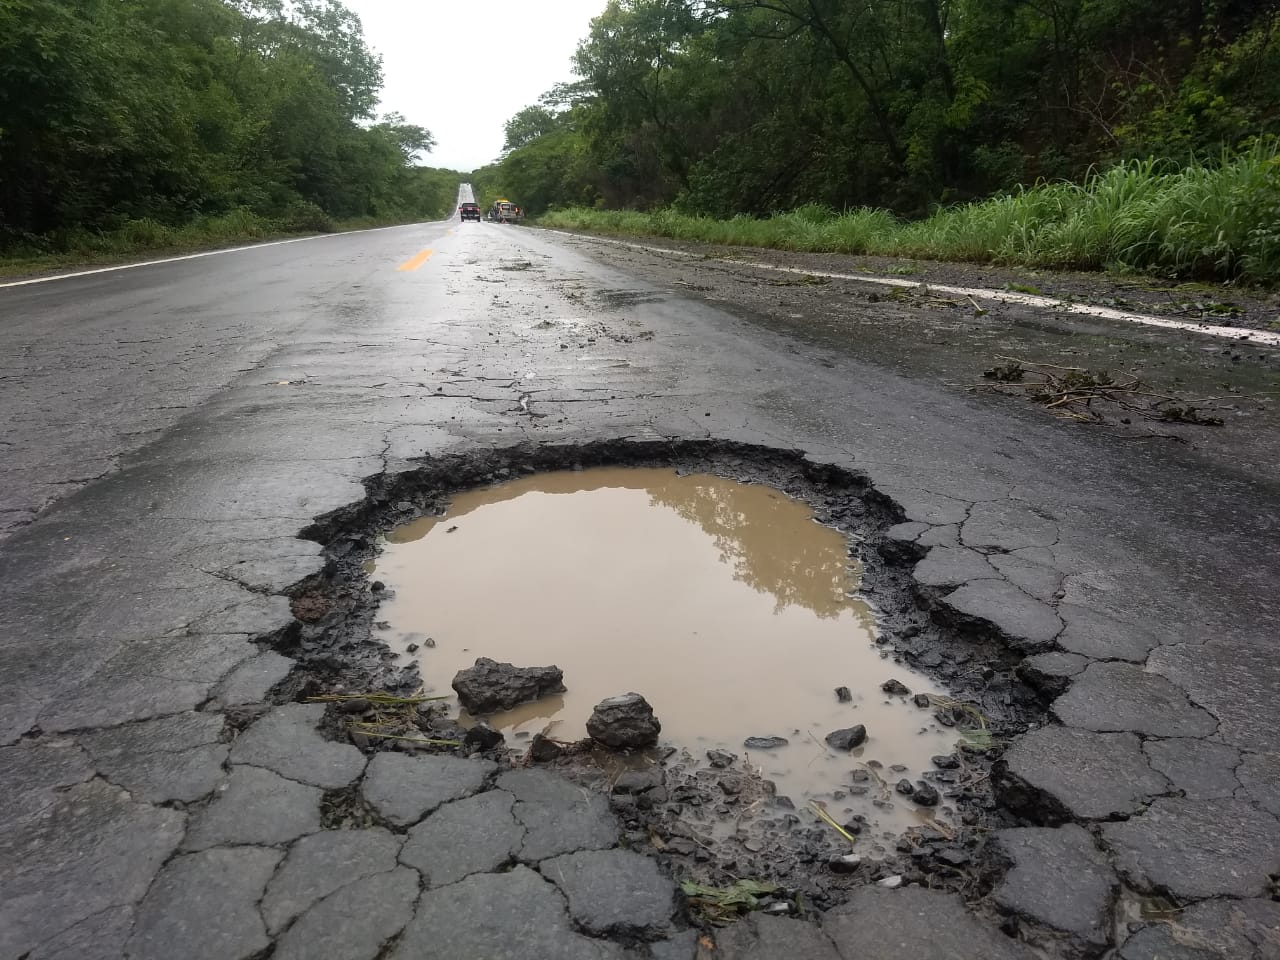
[[725, 604]]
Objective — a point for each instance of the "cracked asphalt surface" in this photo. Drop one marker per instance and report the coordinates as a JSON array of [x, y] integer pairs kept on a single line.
[[169, 429]]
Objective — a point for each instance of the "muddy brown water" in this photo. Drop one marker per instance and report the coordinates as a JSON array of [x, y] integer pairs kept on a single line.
[[725, 604]]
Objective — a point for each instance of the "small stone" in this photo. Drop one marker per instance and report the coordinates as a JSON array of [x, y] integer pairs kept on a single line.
[[946, 763], [483, 737], [895, 688], [890, 883], [847, 738], [377, 586], [721, 758], [953, 856], [637, 781], [765, 743], [904, 787], [544, 749], [845, 864], [356, 705], [922, 700], [843, 694], [624, 723], [411, 648], [490, 686], [926, 794]]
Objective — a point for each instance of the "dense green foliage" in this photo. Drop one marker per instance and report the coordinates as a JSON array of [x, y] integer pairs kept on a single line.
[[163, 121], [725, 107], [1221, 220]]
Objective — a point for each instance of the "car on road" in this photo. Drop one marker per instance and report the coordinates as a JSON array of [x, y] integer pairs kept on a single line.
[[470, 211], [504, 211]]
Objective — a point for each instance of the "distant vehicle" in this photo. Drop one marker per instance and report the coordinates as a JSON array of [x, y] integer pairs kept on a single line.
[[504, 211], [470, 211]]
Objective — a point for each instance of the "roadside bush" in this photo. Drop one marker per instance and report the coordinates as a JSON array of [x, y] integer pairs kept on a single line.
[[1213, 221], [305, 217]]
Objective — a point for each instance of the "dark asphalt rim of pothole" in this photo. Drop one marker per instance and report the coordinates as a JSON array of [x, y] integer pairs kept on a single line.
[[333, 641]]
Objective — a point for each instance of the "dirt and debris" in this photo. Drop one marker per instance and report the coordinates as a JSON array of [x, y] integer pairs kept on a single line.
[[1096, 396]]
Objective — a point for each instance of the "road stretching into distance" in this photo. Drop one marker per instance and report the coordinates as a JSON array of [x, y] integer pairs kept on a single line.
[[168, 429]]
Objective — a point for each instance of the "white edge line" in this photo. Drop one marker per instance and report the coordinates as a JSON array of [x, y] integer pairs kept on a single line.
[[1264, 337], [205, 253]]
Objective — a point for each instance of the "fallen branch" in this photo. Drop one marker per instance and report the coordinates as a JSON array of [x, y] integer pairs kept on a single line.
[[1073, 392]]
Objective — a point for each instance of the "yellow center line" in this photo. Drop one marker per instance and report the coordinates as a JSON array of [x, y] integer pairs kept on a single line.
[[417, 261]]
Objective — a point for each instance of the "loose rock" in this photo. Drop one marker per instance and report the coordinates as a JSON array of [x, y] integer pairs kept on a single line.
[[895, 688], [483, 736], [721, 758], [543, 749], [848, 738], [922, 700], [491, 686], [624, 723], [926, 794], [843, 694], [904, 787]]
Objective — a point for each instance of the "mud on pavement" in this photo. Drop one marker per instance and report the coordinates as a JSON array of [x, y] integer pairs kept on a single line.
[[801, 864]]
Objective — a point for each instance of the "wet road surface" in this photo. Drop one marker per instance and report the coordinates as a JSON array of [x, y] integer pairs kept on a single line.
[[169, 429]]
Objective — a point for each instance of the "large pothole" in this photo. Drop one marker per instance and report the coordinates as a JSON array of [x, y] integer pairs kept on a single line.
[[724, 603], [735, 587]]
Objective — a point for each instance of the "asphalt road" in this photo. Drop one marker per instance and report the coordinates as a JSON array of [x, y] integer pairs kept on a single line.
[[168, 429]]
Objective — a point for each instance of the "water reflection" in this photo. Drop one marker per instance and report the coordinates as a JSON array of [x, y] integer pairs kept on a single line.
[[769, 540]]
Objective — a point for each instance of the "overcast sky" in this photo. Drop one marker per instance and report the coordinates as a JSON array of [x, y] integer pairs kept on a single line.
[[441, 72]]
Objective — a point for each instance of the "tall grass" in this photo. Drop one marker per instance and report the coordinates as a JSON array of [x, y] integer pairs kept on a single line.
[[1214, 221], [133, 238]]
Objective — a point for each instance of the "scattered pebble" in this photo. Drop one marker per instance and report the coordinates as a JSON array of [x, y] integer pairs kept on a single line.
[[895, 688], [721, 758], [765, 743], [848, 738], [925, 794], [843, 694], [845, 864], [892, 883]]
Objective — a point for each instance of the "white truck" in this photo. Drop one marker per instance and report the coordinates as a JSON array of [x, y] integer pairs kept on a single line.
[[504, 211]]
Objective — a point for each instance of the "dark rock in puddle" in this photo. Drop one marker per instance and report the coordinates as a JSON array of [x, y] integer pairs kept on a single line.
[[490, 686], [895, 688], [411, 648], [765, 743], [847, 738], [926, 794], [946, 763], [904, 787], [544, 749], [721, 758], [483, 736], [843, 694], [922, 700], [860, 776], [624, 723]]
